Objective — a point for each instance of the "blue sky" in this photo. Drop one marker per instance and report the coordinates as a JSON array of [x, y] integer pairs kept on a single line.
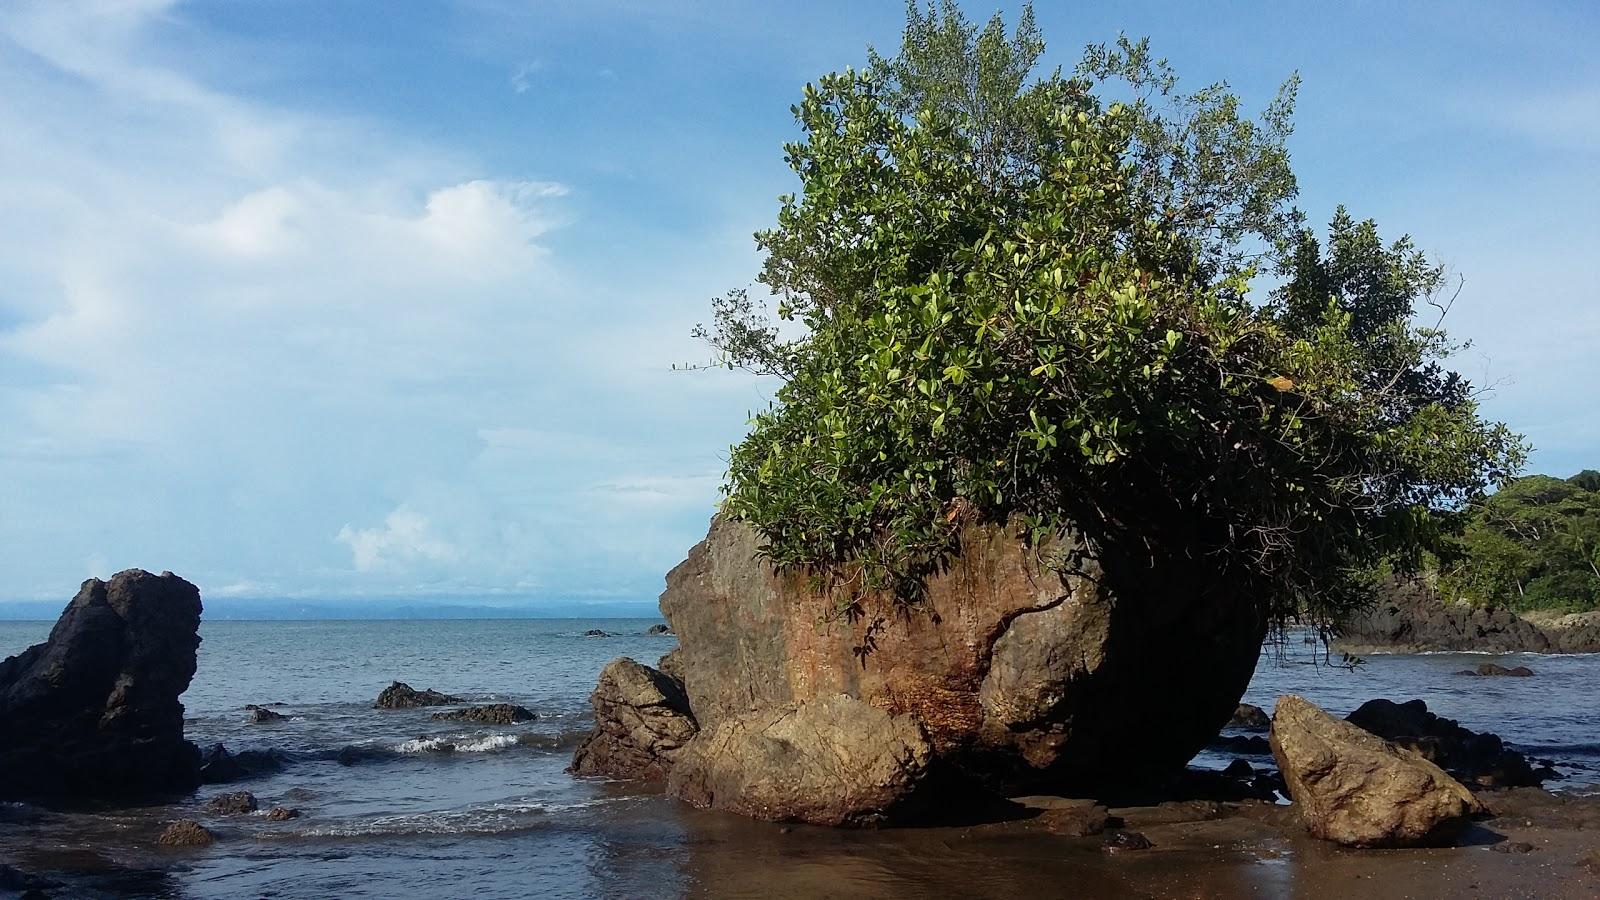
[[362, 299]]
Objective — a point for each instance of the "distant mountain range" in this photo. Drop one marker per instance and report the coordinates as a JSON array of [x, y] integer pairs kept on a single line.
[[242, 608]]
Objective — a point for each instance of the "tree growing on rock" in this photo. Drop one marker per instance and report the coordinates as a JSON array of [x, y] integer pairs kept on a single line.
[[1029, 298]]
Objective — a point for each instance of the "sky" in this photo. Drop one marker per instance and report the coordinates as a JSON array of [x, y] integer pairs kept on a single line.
[[360, 301]]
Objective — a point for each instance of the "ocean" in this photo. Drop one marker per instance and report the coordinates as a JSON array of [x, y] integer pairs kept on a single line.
[[395, 804]]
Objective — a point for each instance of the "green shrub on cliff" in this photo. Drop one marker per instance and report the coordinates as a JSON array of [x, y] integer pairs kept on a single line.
[[1021, 298], [1535, 544]]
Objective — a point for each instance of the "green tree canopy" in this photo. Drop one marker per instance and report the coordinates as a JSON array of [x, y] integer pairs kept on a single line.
[[1535, 544], [1022, 297]]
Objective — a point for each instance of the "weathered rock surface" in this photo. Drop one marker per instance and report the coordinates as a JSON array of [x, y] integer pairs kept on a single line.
[[233, 804], [491, 714], [828, 761], [1409, 617], [1068, 816], [400, 695], [282, 814], [93, 712], [1250, 718], [1479, 759], [1353, 787], [1023, 665], [186, 833], [642, 722]]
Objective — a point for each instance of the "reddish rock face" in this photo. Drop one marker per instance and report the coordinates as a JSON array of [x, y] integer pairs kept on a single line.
[[1011, 667]]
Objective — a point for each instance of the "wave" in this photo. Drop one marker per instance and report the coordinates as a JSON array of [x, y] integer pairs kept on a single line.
[[472, 744], [494, 818]]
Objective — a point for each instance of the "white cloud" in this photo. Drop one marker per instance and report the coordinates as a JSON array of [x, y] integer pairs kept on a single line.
[[406, 537]]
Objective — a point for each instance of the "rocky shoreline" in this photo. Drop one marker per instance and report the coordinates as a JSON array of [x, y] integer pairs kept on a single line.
[[1409, 617]]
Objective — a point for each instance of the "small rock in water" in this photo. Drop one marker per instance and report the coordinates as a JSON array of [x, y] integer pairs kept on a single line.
[[659, 629], [1250, 718], [1243, 744], [493, 714], [259, 714], [1495, 669], [400, 695], [1123, 841], [186, 833], [595, 632], [236, 803], [1239, 769], [282, 814], [1481, 759]]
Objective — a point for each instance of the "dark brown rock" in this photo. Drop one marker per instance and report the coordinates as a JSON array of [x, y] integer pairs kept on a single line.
[[400, 695], [829, 761], [1240, 769], [1250, 718], [1479, 759], [260, 714], [659, 629], [233, 804], [642, 722], [1499, 671], [492, 714], [595, 632], [1068, 817], [218, 766], [1411, 617], [186, 833], [1124, 841], [1024, 664], [1354, 788], [282, 814], [93, 712]]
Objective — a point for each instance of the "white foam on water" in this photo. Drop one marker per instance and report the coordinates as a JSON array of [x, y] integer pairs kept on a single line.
[[474, 744]]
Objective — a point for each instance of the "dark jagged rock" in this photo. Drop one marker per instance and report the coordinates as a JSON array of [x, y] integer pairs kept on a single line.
[[492, 714], [659, 629], [1480, 759], [1250, 743], [1250, 718], [1124, 841], [642, 722], [218, 766], [260, 714], [186, 833], [93, 712], [233, 804], [400, 695], [1240, 768], [25, 885], [595, 632], [1025, 665], [282, 814], [1353, 787], [1409, 617]]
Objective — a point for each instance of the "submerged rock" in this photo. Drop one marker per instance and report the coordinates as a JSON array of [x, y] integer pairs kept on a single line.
[[1354, 788], [400, 695], [1492, 670], [218, 766], [234, 804], [186, 833], [93, 712], [1023, 664], [828, 761], [595, 632], [282, 814], [492, 714], [260, 714], [1481, 759], [659, 629], [642, 722]]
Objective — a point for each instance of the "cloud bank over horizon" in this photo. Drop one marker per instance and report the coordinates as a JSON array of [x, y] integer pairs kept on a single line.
[[297, 309]]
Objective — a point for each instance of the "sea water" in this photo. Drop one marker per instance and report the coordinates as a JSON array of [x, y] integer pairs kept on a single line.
[[396, 804]]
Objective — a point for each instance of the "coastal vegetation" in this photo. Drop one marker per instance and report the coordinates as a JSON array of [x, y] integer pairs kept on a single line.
[[1086, 300], [1534, 544]]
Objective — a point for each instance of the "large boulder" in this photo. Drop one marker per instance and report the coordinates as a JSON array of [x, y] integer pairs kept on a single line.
[[399, 695], [642, 722], [827, 761], [93, 712], [1355, 788], [1480, 759], [1023, 664]]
